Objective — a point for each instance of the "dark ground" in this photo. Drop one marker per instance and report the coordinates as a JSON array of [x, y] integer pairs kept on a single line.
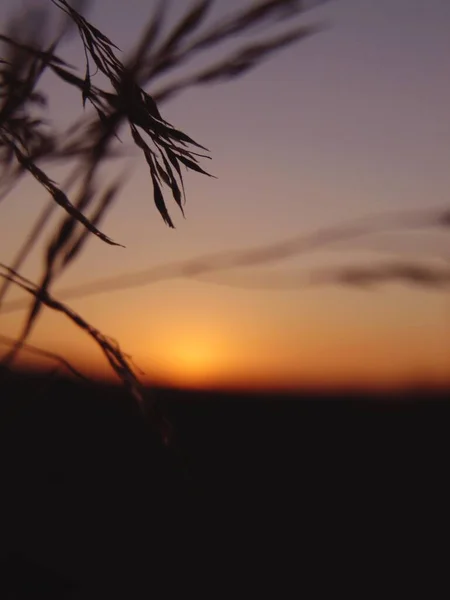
[[94, 507]]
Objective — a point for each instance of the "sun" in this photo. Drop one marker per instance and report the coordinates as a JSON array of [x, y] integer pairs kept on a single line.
[[192, 360]]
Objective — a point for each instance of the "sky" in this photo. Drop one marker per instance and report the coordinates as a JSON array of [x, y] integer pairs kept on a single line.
[[350, 122]]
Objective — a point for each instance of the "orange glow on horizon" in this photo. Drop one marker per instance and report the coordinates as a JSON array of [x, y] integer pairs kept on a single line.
[[195, 356], [200, 367], [213, 352], [191, 361]]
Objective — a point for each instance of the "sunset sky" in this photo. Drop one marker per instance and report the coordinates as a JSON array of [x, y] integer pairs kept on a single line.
[[350, 122]]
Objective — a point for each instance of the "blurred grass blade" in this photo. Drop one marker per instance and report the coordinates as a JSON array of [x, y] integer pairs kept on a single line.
[[188, 24], [159, 202]]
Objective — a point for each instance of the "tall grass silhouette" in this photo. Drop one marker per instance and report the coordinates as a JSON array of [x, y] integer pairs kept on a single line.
[[30, 143], [220, 267]]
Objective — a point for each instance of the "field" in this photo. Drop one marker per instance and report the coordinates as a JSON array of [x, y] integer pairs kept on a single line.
[[91, 496]]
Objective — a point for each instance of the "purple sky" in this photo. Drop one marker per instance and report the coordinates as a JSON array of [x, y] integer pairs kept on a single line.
[[353, 121]]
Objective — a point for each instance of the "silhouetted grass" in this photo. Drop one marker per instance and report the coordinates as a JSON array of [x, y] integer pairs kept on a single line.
[[8, 341], [219, 268], [28, 141]]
